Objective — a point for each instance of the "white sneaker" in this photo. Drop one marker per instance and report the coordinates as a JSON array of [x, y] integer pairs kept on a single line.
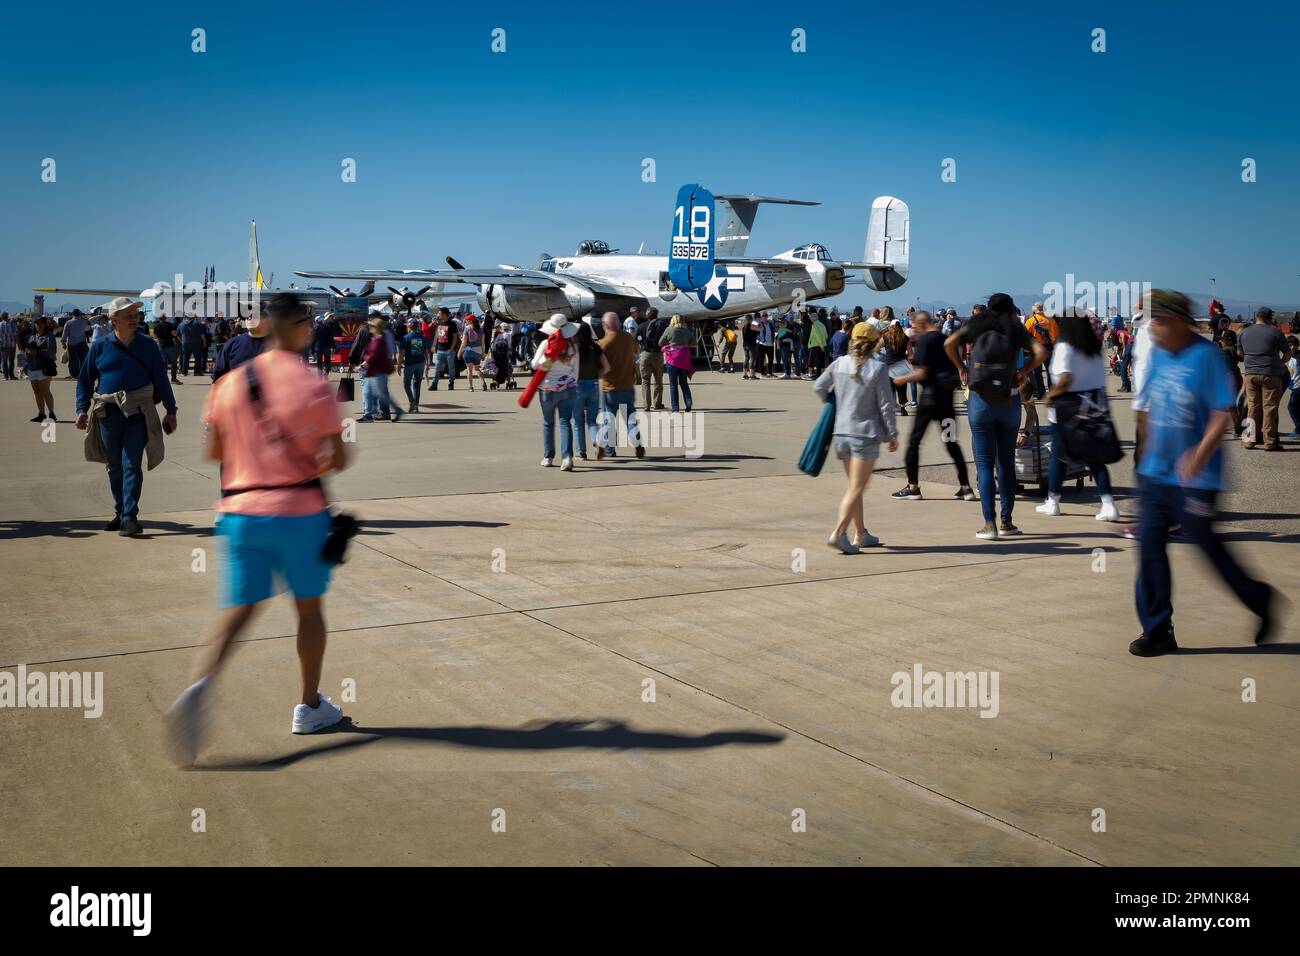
[[566, 464], [1109, 513], [308, 720], [187, 723], [866, 540], [842, 544], [546, 462], [1050, 507]]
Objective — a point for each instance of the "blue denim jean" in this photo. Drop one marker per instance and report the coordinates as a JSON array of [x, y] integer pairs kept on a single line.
[[171, 355], [374, 391], [411, 375], [993, 431], [558, 403], [677, 378], [1164, 506], [1293, 406], [586, 410], [443, 361], [124, 438], [611, 402]]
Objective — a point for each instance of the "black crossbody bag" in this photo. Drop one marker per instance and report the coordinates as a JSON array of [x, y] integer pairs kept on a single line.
[[343, 526]]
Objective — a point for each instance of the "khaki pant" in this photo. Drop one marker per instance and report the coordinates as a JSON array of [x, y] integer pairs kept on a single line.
[[652, 367], [1263, 397]]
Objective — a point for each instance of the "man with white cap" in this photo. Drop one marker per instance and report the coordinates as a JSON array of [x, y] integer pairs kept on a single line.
[[120, 382]]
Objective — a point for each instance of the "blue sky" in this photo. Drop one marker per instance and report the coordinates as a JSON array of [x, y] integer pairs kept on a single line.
[[1120, 166]]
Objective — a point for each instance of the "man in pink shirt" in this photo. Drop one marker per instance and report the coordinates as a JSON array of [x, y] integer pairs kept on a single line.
[[276, 429]]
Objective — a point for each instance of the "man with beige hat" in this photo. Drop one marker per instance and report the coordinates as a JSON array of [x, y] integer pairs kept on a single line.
[[120, 382]]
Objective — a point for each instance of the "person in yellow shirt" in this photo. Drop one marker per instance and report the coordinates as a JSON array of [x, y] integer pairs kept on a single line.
[[1043, 328]]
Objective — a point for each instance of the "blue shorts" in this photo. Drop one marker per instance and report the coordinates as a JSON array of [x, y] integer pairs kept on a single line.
[[472, 356], [864, 449], [266, 553]]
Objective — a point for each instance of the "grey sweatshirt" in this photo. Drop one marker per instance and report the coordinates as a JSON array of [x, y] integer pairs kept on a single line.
[[864, 404]]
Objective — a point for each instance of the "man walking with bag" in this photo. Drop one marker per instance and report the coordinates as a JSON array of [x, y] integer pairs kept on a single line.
[[121, 381], [275, 428]]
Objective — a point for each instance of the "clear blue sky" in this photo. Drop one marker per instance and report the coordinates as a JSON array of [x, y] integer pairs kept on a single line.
[[1122, 166]]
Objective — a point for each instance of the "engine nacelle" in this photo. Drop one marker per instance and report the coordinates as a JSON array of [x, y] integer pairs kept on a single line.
[[883, 280], [538, 305]]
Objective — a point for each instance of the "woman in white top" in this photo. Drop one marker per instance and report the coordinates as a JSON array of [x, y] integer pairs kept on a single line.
[[558, 391], [1078, 371]]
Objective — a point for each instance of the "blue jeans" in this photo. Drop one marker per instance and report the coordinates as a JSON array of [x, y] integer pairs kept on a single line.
[[411, 375], [1164, 506], [7, 356], [560, 402], [1056, 468], [374, 392], [170, 357], [124, 439], [1293, 406], [677, 378], [444, 359], [993, 431], [77, 355], [785, 361], [586, 410], [611, 402]]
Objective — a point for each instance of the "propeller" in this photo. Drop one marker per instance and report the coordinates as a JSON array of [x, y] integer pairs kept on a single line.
[[453, 263], [405, 300]]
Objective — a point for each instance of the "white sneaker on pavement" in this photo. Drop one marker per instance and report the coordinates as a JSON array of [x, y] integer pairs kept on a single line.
[[308, 720]]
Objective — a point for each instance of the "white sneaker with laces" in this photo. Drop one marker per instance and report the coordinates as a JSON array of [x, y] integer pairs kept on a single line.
[[1109, 512], [566, 464], [1050, 507], [547, 462], [842, 544], [308, 720], [866, 540], [187, 723]]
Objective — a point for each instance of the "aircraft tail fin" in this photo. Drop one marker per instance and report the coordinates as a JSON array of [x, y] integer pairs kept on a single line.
[[736, 216], [886, 257], [254, 262]]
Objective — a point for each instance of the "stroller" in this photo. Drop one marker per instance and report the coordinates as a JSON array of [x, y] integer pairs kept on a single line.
[[499, 365]]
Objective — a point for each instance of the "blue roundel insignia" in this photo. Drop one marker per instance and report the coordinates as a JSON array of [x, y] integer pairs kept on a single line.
[[713, 294]]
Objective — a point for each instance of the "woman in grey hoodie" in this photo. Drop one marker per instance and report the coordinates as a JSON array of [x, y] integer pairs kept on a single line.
[[864, 417]]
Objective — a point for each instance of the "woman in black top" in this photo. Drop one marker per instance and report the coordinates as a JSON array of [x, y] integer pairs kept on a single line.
[[592, 364], [40, 349]]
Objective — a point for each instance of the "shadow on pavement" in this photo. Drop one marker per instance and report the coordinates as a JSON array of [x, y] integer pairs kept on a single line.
[[84, 528], [537, 735]]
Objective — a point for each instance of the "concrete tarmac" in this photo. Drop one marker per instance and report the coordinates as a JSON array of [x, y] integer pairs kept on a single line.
[[643, 662]]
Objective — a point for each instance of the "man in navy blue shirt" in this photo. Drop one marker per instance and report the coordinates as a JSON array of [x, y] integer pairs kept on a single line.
[[124, 362], [242, 348], [1187, 404]]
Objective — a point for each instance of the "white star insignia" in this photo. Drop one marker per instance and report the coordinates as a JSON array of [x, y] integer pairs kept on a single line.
[[713, 288]]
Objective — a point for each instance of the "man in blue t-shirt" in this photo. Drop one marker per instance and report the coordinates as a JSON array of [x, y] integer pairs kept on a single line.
[[1188, 402], [411, 351]]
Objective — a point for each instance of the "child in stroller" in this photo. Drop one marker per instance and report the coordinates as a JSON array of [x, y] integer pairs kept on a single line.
[[499, 366]]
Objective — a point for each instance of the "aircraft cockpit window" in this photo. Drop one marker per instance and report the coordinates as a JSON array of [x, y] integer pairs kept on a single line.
[[822, 254], [548, 265]]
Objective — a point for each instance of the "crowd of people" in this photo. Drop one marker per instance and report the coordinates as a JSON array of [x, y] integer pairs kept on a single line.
[[271, 420]]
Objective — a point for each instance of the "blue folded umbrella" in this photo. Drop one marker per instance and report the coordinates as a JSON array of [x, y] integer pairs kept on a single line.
[[819, 442]]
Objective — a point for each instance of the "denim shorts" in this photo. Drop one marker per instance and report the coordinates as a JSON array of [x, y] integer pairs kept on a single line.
[[863, 449], [267, 553], [472, 357]]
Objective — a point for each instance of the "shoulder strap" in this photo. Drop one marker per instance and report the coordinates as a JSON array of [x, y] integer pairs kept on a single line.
[[255, 399], [117, 344]]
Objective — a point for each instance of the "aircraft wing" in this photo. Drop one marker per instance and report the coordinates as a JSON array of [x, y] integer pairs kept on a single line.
[[521, 278], [114, 293], [753, 261]]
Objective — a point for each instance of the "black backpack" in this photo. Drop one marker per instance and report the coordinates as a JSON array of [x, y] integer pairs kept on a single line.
[[993, 365]]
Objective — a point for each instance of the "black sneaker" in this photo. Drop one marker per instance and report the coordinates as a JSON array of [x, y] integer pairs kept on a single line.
[[640, 451], [433, 387], [907, 493], [113, 525], [130, 528], [964, 494], [1155, 646], [1266, 630], [1007, 529]]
